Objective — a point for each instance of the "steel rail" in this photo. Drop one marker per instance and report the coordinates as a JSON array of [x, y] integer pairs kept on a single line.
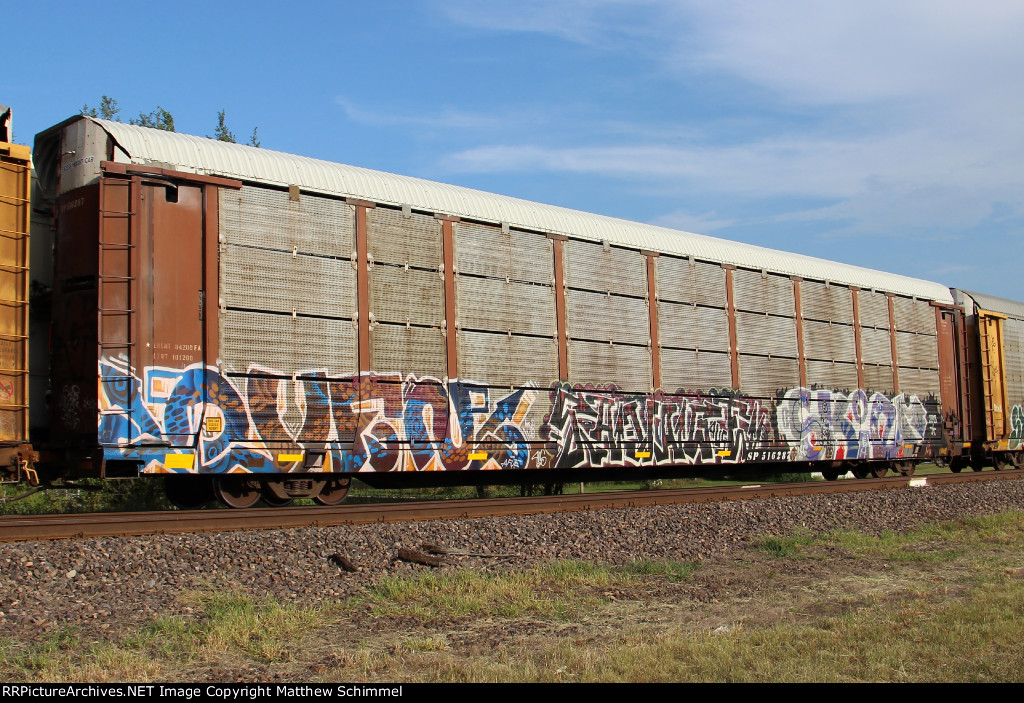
[[14, 528]]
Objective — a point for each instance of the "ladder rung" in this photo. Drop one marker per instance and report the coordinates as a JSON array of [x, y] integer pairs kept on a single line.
[[116, 279], [116, 245], [116, 311]]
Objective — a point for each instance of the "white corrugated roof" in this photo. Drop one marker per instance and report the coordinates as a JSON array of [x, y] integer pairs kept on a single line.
[[208, 156]]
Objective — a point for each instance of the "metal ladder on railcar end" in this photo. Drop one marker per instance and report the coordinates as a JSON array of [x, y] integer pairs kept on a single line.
[[115, 279], [15, 216]]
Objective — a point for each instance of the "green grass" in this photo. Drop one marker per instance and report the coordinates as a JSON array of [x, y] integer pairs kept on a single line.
[[944, 602]]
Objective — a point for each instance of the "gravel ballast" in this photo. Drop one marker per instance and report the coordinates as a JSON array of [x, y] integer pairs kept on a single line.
[[96, 582]]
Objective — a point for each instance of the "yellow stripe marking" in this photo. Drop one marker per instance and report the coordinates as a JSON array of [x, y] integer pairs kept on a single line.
[[643, 455], [179, 461], [289, 457], [725, 452], [478, 455]]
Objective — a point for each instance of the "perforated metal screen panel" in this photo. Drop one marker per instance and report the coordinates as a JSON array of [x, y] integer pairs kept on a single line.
[[757, 292], [914, 315], [826, 302], [395, 238], [875, 346], [681, 281], [832, 375], [878, 378], [617, 270], [763, 377], [269, 219], [627, 367], [766, 334], [825, 342], [406, 295], [494, 305], [598, 316], [919, 382], [918, 350], [408, 350], [692, 370], [286, 344], [873, 309], [261, 279], [690, 327], [487, 251], [501, 360], [1013, 350]]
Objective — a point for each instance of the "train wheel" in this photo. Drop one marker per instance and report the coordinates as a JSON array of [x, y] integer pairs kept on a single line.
[[830, 474], [272, 499], [1018, 459], [187, 491], [860, 472], [957, 464], [1001, 461], [879, 470], [905, 468], [334, 491], [237, 491]]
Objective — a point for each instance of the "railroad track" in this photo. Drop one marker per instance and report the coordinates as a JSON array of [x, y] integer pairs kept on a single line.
[[14, 528]]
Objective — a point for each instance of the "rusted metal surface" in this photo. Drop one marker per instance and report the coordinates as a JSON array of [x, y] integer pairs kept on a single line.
[[362, 292], [951, 409], [892, 347], [652, 307], [734, 354], [15, 528], [451, 322], [857, 337], [798, 312], [558, 247]]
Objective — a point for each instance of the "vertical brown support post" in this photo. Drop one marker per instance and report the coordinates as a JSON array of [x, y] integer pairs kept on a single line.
[[211, 277], [652, 307], [558, 246], [450, 322], [734, 352], [856, 337], [362, 290], [892, 346], [798, 307]]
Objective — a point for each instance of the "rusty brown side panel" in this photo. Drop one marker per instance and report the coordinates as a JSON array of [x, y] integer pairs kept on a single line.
[[952, 412], [972, 353]]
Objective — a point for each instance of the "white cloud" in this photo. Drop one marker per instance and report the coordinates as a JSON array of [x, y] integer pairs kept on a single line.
[[914, 106], [443, 118]]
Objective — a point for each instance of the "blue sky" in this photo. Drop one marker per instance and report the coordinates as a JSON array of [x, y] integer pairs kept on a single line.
[[880, 134]]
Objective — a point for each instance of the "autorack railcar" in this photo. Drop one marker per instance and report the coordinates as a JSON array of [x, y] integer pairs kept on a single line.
[[279, 324]]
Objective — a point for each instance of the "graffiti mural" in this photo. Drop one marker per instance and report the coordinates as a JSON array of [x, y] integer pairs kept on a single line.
[[827, 424], [591, 426], [379, 422], [1016, 427], [196, 419]]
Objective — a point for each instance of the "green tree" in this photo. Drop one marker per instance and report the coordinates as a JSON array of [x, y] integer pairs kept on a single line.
[[158, 119], [221, 133], [108, 109], [254, 139]]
